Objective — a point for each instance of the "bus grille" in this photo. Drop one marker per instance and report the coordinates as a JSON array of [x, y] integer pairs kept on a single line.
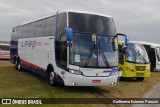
[[140, 68]]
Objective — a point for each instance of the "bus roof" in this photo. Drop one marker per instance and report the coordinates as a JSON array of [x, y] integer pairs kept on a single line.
[[121, 42], [63, 11], [86, 12], [141, 43], [153, 45]]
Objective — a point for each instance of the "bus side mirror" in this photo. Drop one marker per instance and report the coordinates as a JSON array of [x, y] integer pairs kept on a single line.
[[126, 39], [69, 35]]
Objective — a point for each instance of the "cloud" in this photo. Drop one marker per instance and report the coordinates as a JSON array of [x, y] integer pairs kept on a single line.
[[137, 18]]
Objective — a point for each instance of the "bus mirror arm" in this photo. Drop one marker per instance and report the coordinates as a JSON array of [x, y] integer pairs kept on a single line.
[[126, 39], [125, 44]]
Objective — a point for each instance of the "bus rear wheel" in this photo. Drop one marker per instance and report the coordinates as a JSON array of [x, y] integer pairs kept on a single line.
[[140, 78], [18, 65]]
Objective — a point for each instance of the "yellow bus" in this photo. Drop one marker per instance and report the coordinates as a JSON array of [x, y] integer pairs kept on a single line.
[[134, 61]]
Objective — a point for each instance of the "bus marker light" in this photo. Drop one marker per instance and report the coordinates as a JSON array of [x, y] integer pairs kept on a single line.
[[113, 83], [73, 83]]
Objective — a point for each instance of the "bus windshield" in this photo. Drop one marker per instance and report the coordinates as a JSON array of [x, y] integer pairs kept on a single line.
[[81, 22], [136, 53], [89, 50], [158, 54]]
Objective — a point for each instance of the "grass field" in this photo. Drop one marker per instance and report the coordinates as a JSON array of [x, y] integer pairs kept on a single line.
[[24, 84]]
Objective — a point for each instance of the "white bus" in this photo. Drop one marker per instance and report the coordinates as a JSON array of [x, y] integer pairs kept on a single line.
[[153, 51], [72, 48]]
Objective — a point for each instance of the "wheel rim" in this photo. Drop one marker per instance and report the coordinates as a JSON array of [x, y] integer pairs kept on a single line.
[[19, 66], [51, 77]]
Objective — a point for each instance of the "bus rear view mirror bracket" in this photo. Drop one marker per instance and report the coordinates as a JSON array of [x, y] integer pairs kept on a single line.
[[126, 39], [125, 44], [69, 35]]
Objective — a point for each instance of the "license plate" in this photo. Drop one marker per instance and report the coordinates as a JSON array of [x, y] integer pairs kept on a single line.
[[96, 81], [139, 75]]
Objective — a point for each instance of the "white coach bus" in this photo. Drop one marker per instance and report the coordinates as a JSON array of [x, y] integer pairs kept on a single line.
[[72, 48], [153, 51]]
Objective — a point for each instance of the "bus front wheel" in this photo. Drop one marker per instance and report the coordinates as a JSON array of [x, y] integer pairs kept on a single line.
[[51, 79], [140, 78]]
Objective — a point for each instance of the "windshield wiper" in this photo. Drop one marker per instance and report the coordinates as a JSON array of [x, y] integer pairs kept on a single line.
[[140, 55], [90, 54], [104, 57]]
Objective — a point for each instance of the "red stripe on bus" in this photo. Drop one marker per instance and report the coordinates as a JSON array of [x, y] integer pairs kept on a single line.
[[32, 65], [6, 59]]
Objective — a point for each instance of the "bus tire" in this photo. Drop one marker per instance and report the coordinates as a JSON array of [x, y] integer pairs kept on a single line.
[[140, 78], [14, 61], [51, 79], [18, 65]]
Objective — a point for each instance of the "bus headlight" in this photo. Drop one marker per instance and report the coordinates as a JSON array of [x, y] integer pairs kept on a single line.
[[72, 71], [113, 73], [130, 69]]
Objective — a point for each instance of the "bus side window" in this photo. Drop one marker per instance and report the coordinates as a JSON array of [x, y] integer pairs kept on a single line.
[[49, 26], [18, 34], [39, 28], [63, 49], [121, 60], [31, 29]]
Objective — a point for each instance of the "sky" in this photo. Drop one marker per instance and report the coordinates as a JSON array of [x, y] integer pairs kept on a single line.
[[139, 19]]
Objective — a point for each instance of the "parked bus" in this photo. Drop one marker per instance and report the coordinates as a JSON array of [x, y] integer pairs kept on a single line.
[[134, 61], [4, 51], [72, 48], [153, 51]]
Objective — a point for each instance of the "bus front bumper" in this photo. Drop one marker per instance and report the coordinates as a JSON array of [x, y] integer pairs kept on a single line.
[[144, 74], [79, 80]]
